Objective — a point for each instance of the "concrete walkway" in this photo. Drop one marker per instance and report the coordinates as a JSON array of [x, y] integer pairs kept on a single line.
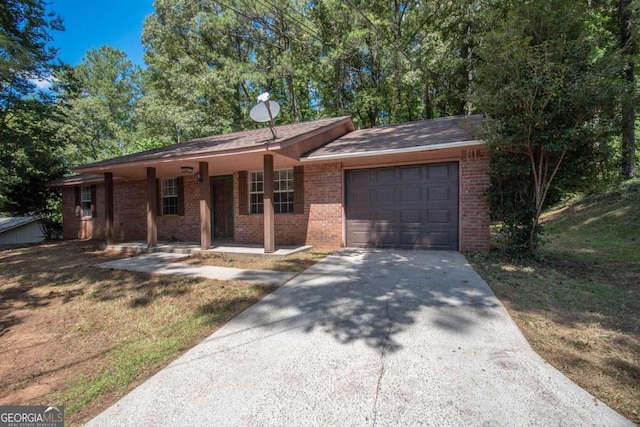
[[366, 338], [161, 263]]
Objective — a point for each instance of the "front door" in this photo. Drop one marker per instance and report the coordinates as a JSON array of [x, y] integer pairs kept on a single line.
[[222, 209]]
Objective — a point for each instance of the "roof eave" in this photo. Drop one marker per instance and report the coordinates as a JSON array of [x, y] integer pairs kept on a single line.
[[267, 145], [73, 181], [188, 157], [431, 147]]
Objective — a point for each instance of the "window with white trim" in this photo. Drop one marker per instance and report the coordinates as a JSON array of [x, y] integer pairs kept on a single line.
[[256, 192], [169, 193], [282, 191], [85, 201]]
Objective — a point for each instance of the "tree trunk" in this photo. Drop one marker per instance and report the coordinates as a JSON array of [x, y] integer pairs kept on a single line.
[[629, 159], [292, 95]]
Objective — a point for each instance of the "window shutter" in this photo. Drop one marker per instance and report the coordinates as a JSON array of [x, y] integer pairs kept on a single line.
[[298, 190], [243, 193], [158, 198], [77, 201], [94, 202], [180, 185]]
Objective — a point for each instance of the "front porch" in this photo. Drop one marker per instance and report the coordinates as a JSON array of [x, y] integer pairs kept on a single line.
[[190, 248]]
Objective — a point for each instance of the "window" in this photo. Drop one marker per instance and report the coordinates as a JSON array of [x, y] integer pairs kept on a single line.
[[169, 191], [85, 201], [256, 192], [282, 191]]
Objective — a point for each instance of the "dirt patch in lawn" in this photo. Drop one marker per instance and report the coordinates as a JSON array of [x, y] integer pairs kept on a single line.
[[294, 263], [75, 335]]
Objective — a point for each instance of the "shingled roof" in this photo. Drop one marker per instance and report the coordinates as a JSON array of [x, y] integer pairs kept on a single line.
[[226, 143], [9, 223], [413, 136]]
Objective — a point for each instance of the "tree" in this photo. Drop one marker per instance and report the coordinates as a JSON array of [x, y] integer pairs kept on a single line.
[[25, 31], [29, 153], [97, 101], [547, 79], [628, 11], [380, 63], [31, 157]]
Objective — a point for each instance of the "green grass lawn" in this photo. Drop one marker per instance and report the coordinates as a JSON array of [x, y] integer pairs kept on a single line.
[[578, 303]]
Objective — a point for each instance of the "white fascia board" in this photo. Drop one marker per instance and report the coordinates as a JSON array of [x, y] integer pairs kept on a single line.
[[431, 147]]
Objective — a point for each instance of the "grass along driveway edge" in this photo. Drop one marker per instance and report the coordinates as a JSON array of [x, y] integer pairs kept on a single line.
[[578, 302]]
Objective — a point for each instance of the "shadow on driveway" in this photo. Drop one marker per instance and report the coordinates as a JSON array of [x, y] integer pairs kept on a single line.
[[366, 338]]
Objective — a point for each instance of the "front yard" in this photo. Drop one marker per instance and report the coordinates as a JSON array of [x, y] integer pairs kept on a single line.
[[83, 337]]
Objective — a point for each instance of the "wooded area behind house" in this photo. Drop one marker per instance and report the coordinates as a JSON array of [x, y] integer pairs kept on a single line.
[[557, 78]]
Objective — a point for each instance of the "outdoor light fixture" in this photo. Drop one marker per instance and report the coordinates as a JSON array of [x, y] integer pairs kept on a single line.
[[199, 176], [186, 169]]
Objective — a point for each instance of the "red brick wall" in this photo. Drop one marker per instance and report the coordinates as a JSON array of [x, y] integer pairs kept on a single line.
[[474, 207], [185, 227], [321, 223], [323, 204], [86, 227], [129, 212]]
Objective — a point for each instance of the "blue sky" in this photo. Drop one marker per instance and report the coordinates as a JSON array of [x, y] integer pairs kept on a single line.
[[94, 23]]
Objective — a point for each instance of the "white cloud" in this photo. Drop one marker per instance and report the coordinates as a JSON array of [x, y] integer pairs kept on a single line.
[[42, 84]]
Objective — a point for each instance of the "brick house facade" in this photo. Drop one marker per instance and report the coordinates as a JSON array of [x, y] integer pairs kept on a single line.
[[322, 160]]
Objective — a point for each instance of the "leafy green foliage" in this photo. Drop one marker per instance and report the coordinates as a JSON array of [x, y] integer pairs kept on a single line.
[[209, 60], [547, 79], [25, 29], [97, 100], [29, 152], [30, 158]]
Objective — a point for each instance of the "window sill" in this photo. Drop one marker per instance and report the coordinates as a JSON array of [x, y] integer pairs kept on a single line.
[[262, 214]]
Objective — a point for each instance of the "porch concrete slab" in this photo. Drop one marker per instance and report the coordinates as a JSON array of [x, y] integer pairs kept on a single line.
[[184, 248], [190, 248], [256, 250], [366, 338], [160, 263]]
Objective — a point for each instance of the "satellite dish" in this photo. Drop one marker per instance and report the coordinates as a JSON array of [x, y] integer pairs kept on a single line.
[[261, 113], [265, 111]]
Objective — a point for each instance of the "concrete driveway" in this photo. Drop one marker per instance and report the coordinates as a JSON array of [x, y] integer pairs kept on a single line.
[[366, 338]]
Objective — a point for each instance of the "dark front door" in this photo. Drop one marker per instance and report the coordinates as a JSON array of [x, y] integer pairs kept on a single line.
[[222, 209]]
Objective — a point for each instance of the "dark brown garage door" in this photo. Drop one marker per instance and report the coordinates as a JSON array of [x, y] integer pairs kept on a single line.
[[409, 207]]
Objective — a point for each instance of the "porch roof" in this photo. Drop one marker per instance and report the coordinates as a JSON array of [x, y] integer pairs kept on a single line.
[[251, 141]]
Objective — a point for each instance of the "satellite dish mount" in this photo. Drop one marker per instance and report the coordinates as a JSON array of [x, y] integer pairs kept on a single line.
[[265, 111]]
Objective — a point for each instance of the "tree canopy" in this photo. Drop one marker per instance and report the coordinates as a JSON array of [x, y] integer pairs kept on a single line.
[[556, 78], [547, 78]]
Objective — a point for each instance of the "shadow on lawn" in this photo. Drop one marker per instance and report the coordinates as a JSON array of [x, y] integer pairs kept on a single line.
[[47, 372], [37, 276]]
